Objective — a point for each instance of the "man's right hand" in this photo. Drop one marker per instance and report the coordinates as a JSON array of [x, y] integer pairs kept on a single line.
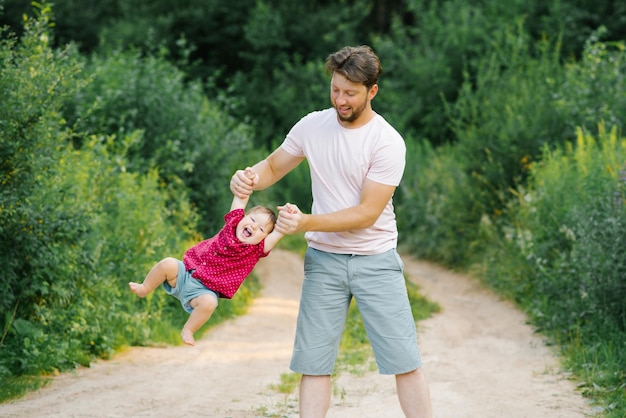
[[242, 183]]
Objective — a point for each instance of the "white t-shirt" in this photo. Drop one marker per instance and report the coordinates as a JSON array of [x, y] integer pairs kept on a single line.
[[340, 160]]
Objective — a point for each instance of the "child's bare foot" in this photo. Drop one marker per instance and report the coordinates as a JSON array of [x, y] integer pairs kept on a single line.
[[139, 289], [187, 336]]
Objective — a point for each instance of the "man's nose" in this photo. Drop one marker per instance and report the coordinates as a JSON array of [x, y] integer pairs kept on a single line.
[[341, 98]]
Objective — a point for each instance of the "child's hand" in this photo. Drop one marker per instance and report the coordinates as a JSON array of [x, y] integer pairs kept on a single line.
[[289, 208]]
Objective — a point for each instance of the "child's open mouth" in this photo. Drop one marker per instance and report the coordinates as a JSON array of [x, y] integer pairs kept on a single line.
[[247, 232]]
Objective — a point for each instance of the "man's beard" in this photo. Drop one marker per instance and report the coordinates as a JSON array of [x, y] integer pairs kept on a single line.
[[356, 113]]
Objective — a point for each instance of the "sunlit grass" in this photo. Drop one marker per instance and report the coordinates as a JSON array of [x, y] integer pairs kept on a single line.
[[288, 383], [17, 387]]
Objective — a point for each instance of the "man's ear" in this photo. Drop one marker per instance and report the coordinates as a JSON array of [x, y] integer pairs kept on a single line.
[[373, 91]]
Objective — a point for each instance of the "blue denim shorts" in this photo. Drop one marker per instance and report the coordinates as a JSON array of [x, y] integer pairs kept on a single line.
[[187, 288], [378, 286]]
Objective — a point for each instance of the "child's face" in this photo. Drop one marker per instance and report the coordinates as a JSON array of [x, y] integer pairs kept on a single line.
[[253, 228]]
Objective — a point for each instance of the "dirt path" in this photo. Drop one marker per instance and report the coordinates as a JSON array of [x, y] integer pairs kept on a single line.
[[482, 361]]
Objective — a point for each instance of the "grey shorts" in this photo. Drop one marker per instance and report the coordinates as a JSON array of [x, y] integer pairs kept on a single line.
[[377, 283], [187, 288]]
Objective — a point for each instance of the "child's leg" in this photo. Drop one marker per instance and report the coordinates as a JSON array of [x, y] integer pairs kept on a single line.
[[166, 269], [203, 307]]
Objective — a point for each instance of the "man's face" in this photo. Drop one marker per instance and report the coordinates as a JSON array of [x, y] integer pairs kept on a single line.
[[253, 228], [349, 99]]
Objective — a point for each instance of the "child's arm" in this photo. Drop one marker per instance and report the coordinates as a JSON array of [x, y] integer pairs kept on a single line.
[[272, 239], [241, 203]]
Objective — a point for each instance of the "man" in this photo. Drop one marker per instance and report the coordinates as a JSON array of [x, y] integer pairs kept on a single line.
[[356, 161]]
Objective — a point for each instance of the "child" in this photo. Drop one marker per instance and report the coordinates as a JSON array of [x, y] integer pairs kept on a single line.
[[215, 267]]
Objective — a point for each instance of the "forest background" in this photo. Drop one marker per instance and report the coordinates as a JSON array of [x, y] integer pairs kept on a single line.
[[121, 123]]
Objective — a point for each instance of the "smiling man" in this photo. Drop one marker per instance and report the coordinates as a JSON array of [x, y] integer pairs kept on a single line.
[[356, 160]]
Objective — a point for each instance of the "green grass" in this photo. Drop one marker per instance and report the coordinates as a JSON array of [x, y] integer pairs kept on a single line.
[[16, 387], [599, 368]]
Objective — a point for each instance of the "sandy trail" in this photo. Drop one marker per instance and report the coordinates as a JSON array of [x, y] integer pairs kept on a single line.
[[481, 359]]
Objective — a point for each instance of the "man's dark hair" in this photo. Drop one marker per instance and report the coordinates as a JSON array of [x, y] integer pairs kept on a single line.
[[358, 64]]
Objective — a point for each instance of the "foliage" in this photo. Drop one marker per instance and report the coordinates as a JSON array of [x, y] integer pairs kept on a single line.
[[77, 224], [183, 134], [592, 90], [252, 50], [434, 220], [40, 237], [508, 197], [429, 58], [282, 73], [572, 214], [501, 126], [567, 232], [502, 123]]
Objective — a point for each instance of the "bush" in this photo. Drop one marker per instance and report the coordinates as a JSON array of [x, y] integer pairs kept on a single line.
[[77, 224], [434, 219], [567, 234], [572, 224], [184, 134], [503, 122], [593, 88], [41, 238]]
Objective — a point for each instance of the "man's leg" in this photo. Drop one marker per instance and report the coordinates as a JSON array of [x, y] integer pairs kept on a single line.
[[314, 396], [414, 395]]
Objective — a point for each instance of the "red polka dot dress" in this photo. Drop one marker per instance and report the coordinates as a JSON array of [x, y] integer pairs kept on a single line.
[[223, 262]]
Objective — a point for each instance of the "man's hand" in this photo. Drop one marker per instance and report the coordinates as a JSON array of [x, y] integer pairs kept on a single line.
[[290, 219], [242, 183]]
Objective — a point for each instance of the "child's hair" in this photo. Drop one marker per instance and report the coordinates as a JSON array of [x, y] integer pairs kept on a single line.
[[267, 211]]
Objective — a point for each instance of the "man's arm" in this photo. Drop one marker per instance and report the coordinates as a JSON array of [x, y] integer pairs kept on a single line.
[[374, 198], [269, 170]]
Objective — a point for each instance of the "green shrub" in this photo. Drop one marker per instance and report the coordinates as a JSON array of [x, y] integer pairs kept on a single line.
[[185, 136], [77, 224], [569, 227], [134, 223], [41, 238], [435, 219], [503, 122], [593, 88]]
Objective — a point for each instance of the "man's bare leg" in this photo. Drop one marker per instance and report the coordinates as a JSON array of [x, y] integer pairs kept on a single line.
[[314, 396], [166, 269], [414, 394]]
